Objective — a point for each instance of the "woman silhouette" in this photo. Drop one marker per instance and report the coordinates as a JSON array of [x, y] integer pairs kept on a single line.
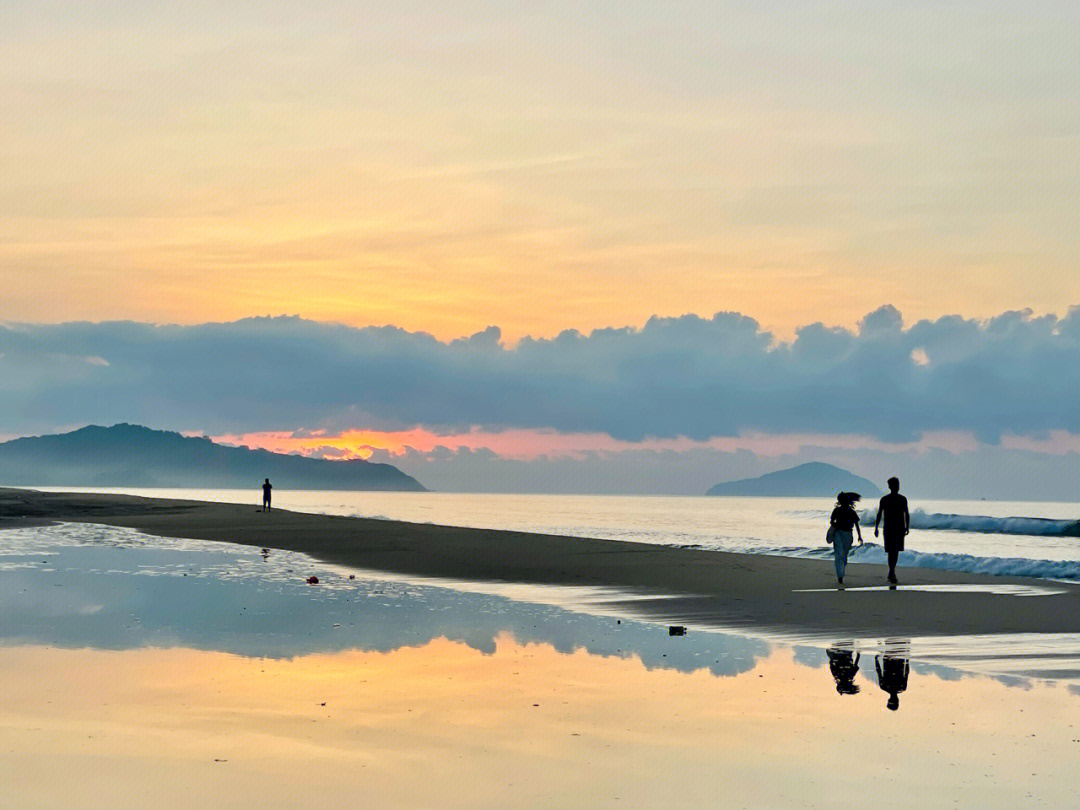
[[844, 666], [843, 519]]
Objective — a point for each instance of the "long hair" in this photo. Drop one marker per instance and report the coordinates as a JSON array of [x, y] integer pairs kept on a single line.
[[847, 498]]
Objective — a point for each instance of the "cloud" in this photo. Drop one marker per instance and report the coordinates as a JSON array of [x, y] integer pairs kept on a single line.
[[1014, 374]]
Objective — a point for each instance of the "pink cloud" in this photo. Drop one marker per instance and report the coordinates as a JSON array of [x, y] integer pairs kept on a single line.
[[525, 444]]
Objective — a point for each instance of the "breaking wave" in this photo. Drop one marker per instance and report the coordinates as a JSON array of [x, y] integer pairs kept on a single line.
[[984, 524], [1000, 566]]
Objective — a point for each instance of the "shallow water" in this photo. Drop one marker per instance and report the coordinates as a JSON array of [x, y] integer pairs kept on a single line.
[[139, 671]]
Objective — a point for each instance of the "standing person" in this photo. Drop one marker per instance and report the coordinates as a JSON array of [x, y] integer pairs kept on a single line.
[[843, 519], [267, 486], [893, 508]]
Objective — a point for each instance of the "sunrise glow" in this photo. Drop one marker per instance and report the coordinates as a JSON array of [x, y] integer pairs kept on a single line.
[[533, 444], [539, 172]]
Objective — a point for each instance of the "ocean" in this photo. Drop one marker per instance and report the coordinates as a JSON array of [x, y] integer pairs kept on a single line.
[[1030, 539]]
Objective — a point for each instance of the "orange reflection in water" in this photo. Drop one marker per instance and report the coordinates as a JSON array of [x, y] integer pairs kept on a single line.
[[443, 725]]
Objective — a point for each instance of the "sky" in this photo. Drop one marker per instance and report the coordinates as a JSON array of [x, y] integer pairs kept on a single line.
[[688, 240]]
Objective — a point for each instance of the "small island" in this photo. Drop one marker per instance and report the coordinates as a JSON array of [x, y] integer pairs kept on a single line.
[[135, 456], [812, 480]]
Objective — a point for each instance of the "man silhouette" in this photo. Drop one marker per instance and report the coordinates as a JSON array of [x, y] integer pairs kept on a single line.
[[892, 675], [893, 508], [266, 494]]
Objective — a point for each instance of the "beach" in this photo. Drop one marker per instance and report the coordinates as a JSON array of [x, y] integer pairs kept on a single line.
[[676, 585], [170, 651]]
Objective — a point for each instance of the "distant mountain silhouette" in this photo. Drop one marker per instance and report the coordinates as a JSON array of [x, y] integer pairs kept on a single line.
[[816, 480], [135, 456]]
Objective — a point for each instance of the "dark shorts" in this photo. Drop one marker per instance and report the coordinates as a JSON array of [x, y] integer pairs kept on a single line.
[[894, 539]]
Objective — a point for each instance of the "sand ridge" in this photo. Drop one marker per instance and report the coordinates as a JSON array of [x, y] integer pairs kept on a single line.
[[722, 589]]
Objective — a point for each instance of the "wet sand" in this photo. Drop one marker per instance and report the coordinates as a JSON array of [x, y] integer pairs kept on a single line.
[[678, 585]]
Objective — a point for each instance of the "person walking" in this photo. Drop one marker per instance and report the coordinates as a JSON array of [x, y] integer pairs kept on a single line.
[[843, 519], [267, 486], [894, 510]]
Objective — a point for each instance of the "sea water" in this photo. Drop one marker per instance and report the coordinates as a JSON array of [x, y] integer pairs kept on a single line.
[[1033, 539]]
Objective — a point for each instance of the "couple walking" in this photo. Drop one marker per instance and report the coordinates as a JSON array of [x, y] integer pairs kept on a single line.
[[893, 509]]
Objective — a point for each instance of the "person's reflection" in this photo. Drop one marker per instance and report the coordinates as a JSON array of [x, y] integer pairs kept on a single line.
[[892, 671], [844, 666]]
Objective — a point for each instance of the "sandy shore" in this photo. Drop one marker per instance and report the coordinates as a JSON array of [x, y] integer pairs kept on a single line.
[[707, 587]]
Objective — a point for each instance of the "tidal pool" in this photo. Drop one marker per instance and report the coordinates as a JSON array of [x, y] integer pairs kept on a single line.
[[143, 672]]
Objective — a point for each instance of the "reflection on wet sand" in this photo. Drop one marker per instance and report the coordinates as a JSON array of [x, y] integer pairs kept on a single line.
[[79, 585], [844, 666], [892, 670], [522, 726], [240, 601], [892, 667], [174, 676]]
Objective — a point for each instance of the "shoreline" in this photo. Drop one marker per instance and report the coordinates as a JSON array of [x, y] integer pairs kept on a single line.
[[676, 585]]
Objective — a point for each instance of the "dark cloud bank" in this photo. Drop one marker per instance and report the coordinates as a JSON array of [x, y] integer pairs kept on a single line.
[[685, 376]]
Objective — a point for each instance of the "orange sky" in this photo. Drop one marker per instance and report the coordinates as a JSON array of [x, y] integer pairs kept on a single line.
[[529, 444], [533, 170]]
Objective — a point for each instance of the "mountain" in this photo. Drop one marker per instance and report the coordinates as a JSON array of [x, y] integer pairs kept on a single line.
[[135, 456], [816, 480]]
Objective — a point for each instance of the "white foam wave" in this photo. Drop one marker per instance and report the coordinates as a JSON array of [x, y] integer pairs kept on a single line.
[[985, 524], [969, 563]]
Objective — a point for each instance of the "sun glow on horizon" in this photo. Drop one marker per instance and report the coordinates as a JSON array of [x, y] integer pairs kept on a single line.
[[526, 444]]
